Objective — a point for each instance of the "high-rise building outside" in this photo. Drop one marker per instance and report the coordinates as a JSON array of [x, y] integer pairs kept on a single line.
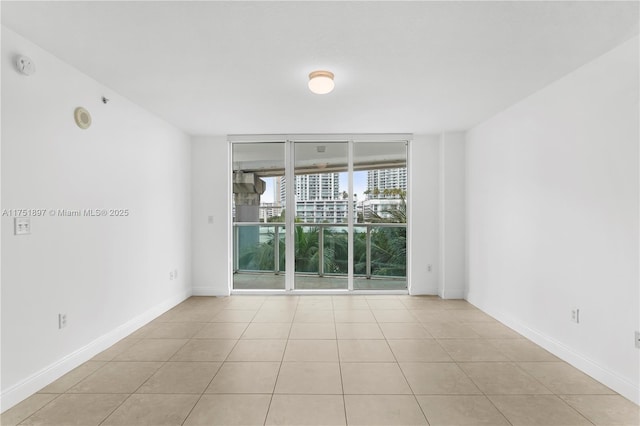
[[318, 198], [389, 179], [385, 190]]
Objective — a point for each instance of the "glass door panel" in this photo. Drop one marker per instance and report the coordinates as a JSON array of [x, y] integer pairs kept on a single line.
[[321, 215], [380, 231], [258, 215]]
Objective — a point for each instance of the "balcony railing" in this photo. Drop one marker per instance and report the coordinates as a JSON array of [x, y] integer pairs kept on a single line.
[[322, 249]]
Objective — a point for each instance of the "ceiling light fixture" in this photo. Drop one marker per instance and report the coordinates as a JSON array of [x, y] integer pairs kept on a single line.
[[321, 82]]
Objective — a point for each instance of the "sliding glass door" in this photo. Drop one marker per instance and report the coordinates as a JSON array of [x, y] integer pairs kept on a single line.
[[321, 215], [258, 216], [380, 234], [334, 210]]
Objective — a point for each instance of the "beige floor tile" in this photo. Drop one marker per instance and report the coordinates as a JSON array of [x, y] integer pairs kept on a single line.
[[181, 377], [354, 316], [190, 315], [311, 350], [404, 331], [394, 316], [468, 350], [383, 410], [349, 303], [348, 331], [267, 331], [427, 305], [205, 350], [418, 350], [562, 378], [460, 410], [605, 410], [450, 330], [144, 330], [502, 378], [24, 409], [494, 330], [222, 330], [471, 316], [245, 302], [365, 351], [312, 331], [72, 377], [373, 378], [309, 378], [458, 304], [422, 305], [245, 377], [537, 410], [281, 303], [152, 410], [310, 316], [438, 379], [258, 350], [385, 304], [151, 350], [273, 316], [234, 315], [298, 355], [308, 304], [227, 410], [307, 410], [384, 296], [115, 349], [208, 302], [173, 330], [522, 350], [81, 410], [117, 377], [435, 316]]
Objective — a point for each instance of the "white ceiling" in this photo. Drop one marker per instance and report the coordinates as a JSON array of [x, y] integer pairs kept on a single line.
[[241, 67]]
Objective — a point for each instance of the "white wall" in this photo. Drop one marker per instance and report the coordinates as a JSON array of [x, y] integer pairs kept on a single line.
[[108, 274], [423, 200], [452, 216], [210, 192], [552, 216]]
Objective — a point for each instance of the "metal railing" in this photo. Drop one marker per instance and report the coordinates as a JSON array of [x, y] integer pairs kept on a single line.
[[259, 247]]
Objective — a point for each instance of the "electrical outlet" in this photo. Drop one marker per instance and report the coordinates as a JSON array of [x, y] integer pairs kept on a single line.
[[171, 275], [62, 321], [637, 338], [428, 268], [575, 315], [22, 225]]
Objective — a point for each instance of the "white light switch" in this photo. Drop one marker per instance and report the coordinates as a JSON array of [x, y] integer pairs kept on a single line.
[[22, 225]]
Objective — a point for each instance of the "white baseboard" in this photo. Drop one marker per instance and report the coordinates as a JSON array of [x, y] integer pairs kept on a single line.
[[453, 293], [423, 291], [583, 363], [52, 372]]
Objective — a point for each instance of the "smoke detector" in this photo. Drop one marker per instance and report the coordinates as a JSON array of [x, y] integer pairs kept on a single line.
[[25, 65]]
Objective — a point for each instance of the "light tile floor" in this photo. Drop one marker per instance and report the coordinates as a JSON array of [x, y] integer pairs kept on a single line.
[[325, 360]]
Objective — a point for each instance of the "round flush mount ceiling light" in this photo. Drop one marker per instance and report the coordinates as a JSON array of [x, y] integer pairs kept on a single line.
[[321, 82]]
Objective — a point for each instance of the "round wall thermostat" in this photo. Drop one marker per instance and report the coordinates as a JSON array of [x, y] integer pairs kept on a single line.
[[82, 117]]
